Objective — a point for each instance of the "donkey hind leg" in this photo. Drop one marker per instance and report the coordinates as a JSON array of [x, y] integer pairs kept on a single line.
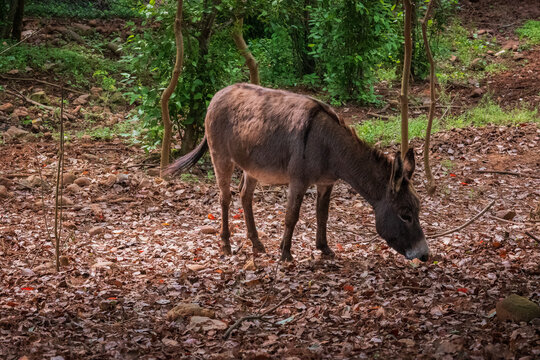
[[246, 195], [294, 202], [323, 203], [224, 170]]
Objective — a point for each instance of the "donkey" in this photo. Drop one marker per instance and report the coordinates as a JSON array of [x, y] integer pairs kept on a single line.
[[278, 137]]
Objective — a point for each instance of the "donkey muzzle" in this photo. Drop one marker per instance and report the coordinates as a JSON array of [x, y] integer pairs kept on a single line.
[[420, 251]]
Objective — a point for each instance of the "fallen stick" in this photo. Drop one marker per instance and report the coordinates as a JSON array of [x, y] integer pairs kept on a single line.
[[506, 173], [532, 236], [253, 317], [41, 82], [46, 107], [464, 225], [23, 40]]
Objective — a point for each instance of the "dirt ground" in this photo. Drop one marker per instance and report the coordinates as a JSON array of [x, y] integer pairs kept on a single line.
[[134, 246]]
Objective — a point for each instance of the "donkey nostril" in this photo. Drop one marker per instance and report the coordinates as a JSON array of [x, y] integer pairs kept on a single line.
[[424, 257]]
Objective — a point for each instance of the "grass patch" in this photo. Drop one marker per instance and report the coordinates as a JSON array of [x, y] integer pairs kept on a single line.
[[531, 31], [73, 62], [81, 9], [388, 131]]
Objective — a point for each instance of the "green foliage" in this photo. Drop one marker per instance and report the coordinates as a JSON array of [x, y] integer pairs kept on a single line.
[[531, 31], [388, 131], [84, 9], [74, 63]]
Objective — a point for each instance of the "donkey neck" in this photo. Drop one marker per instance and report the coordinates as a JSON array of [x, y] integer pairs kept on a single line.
[[366, 169]]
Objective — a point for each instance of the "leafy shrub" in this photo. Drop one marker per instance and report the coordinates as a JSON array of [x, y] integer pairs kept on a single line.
[[530, 30]]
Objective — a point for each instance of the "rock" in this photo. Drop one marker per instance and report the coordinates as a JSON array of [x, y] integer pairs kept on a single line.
[[68, 178], [110, 181], [208, 230], [64, 261], [7, 107], [497, 54], [490, 52], [117, 98], [122, 178], [3, 192], [96, 91], [73, 188], [510, 45], [96, 230], [477, 92], [33, 181], [189, 309], [86, 138], [453, 58], [6, 182], [19, 112], [40, 97], [36, 123], [66, 201], [518, 56], [97, 211], [477, 64], [206, 324], [170, 342], [83, 181], [506, 215], [14, 133], [196, 267], [84, 29], [484, 31], [517, 308], [145, 183], [81, 100], [43, 267], [92, 22], [102, 264], [153, 172]]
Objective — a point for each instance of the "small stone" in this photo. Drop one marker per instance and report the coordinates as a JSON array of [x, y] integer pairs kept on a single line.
[[14, 133], [206, 324], [81, 100], [33, 181], [86, 138], [84, 29], [453, 58], [3, 192], [96, 230], [518, 56], [83, 181], [111, 180], [122, 178], [64, 261], [7, 107], [208, 230], [490, 52], [153, 172], [20, 112], [484, 31], [510, 45], [68, 178], [497, 54], [506, 215], [170, 342], [66, 201], [96, 91], [73, 188], [250, 265], [40, 97], [13, 72], [189, 309], [477, 64], [517, 308], [6, 182], [477, 92], [145, 183]]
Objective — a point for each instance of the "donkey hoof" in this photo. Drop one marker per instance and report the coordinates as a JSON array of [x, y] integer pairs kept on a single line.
[[226, 249], [327, 253], [258, 248], [286, 257]]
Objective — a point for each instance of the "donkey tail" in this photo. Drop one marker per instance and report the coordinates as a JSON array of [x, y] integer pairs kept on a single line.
[[187, 161]]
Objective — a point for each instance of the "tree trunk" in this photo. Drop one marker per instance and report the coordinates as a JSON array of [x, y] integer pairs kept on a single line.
[[431, 182], [241, 45], [405, 79], [167, 124], [189, 138], [18, 21]]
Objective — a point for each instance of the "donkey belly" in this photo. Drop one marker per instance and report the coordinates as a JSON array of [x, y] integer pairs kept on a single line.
[[268, 177]]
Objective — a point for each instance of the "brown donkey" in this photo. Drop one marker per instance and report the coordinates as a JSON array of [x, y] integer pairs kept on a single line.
[[278, 137]]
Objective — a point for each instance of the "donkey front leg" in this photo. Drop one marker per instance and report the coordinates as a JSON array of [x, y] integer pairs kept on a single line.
[[323, 203], [246, 195], [294, 202]]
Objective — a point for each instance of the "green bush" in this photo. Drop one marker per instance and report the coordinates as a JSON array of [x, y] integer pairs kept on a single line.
[[82, 8], [531, 31]]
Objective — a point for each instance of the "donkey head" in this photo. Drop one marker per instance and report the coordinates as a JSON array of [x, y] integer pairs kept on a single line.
[[396, 215]]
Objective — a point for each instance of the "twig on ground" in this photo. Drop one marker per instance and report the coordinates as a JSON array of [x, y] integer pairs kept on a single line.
[[506, 173], [433, 236], [253, 317], [406, 288], [532, 236], [23, 40], [379, 115], [46, 107], [510, 221], [41, 82]]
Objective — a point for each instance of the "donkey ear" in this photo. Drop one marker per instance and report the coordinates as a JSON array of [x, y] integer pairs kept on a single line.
[[397, 173], [409, 164]]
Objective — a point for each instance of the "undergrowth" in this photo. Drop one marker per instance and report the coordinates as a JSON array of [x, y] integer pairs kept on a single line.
[[531, 31], [81, 9], [387, 132]]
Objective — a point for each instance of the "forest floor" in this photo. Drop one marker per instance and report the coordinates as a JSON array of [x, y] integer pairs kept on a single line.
[[134, 246]]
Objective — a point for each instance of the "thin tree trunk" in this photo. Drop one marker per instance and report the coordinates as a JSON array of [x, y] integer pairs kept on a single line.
[[241, 45], [167, 124], [405, 79], [431, 182], [18, 21]]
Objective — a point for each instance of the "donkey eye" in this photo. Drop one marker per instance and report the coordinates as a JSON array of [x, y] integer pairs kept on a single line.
[[406, 218]]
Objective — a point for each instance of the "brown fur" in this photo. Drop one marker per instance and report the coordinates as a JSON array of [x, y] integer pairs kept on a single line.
[[278, 137]]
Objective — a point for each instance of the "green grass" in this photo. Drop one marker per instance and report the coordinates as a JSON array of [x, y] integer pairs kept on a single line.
[[531, 31], [388, 131], [81, 9], [73, 62]]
